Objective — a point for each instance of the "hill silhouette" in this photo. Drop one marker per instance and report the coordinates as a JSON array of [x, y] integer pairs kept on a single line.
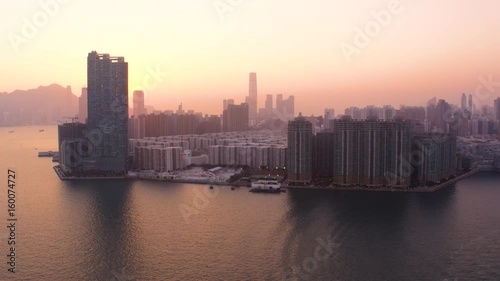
[[44, 105]]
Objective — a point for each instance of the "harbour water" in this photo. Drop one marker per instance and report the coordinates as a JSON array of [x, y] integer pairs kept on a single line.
[[144, 230]]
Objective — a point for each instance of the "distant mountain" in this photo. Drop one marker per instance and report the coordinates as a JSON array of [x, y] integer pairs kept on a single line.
[[44, 105]]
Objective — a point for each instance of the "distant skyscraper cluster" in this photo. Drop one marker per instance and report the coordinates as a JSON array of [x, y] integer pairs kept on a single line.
[[283, 110]]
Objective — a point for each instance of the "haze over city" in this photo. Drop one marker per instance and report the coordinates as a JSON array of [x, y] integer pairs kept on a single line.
[[200, 52]]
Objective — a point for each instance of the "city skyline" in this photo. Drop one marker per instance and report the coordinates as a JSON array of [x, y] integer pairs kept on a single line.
[[250, 140], [211, 56]]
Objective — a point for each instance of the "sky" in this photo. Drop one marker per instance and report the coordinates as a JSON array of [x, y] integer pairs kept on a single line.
[[327, 53]]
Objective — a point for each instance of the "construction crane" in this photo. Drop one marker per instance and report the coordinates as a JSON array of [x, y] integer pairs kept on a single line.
[[72, 119]]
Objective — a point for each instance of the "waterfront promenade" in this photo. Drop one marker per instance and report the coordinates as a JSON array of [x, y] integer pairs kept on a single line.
[[61, 176], [390, 189], [434, 188]]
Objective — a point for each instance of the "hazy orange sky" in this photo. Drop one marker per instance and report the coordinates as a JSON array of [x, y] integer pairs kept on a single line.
[[208, 47]]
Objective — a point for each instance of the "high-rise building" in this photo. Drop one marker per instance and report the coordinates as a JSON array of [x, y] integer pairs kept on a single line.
[[73, 147], [388, 112], [300, 152], [463, 104], [436, 154], [289, 108], [107, 82], [279, 103], [323, 146], [354, 112], [371, 152], [227, 102], [82, 106], [235, 118], [252, 97], [285, 108], [443, 116], [139, 103], [269, 106], [496, 109], [329, 115], [413, 113], [70, 131], [471, 105]]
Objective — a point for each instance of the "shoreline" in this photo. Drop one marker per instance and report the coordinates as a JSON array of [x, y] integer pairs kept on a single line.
[[427, 189], [61, 176]]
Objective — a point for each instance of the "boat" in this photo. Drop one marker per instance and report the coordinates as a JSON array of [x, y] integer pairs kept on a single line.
[[11, 131], [41, 130], [266, 186]]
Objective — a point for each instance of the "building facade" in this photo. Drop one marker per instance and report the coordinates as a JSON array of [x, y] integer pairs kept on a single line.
[[235, 118], [107, 83], [433, 157], [371, 152], [138, 98], [300, 145]]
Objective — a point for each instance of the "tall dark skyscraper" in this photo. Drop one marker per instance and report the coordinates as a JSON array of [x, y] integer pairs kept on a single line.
[[107, 82], [371, 152], [139, 103], [252, 97], [300, 145]]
